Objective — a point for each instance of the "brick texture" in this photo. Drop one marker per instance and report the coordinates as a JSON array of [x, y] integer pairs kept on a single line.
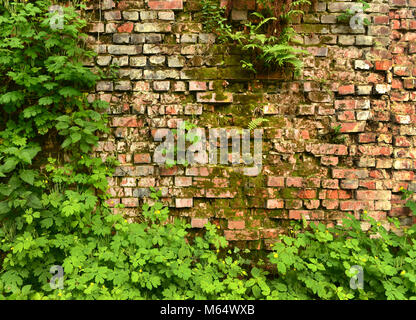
[[361, 81]]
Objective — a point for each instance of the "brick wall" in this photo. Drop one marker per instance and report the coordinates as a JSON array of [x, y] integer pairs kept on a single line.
[[361, 80]]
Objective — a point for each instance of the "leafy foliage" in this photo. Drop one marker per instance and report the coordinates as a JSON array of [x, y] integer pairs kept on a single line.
[[349, 13], [317, 264], [256, 122], [189, 136], [264, 50]]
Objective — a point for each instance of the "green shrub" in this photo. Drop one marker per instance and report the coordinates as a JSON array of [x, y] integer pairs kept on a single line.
[[316, 264], [53, 194]]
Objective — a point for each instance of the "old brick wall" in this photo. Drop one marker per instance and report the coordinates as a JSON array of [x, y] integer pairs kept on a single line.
[[361, 80]]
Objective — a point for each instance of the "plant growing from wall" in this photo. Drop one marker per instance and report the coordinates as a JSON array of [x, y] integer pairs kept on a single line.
[[266, 41], [190, 138], [350, 12]]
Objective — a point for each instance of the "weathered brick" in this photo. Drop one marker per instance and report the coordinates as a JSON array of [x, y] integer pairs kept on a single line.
[[198, 222], [275, 181], [165, 4], [213, 97], [130, 121], [349, 173], [124, 49], [240, 224], [274, 204], [184, 202], [153, 27], [373, 195]]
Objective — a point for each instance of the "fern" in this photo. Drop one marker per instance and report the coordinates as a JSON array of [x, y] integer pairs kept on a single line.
[[256, 122], [264, 50]]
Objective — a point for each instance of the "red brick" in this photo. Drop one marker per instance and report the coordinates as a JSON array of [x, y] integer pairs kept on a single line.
[[197, 86], [165, 4], [184, 202], [402, 142], [126, 27], [198, 222], [381, 20], [368, 184], [346, 104], [183, 181], [329, 161], [375, 150], [330, 184], [312, 204], [330, 204], [146, 182], [403, 175], [240, 224], [308, 214], [326, 148], [373, 195], [366, 137], [142, 158], [294, 182], [275, 181], [349, 173], [353, 126], [337, 194], [168, 171], [383, 65], [307, 194], [356, 205], [130, 122], [130, 202], [241, 235], [275, 204], [270, 233], [347, 89]]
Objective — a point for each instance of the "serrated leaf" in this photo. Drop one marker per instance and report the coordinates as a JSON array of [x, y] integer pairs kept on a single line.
[[27, 176]]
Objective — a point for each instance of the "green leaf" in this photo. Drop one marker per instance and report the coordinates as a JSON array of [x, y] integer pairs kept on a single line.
[[75, 136], [28, 176], [44, 101], [9, 165], [4, 207]]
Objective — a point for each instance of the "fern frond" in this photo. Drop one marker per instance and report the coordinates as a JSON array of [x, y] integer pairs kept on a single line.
[[256, 122]]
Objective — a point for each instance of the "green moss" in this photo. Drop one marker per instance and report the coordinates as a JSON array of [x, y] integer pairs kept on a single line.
[[288, 193], [306, 167], [202, 73], [207, 96], [311, 28], [214, 120], [234, 73], [248, 99], [188, 99], [276, 121]]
